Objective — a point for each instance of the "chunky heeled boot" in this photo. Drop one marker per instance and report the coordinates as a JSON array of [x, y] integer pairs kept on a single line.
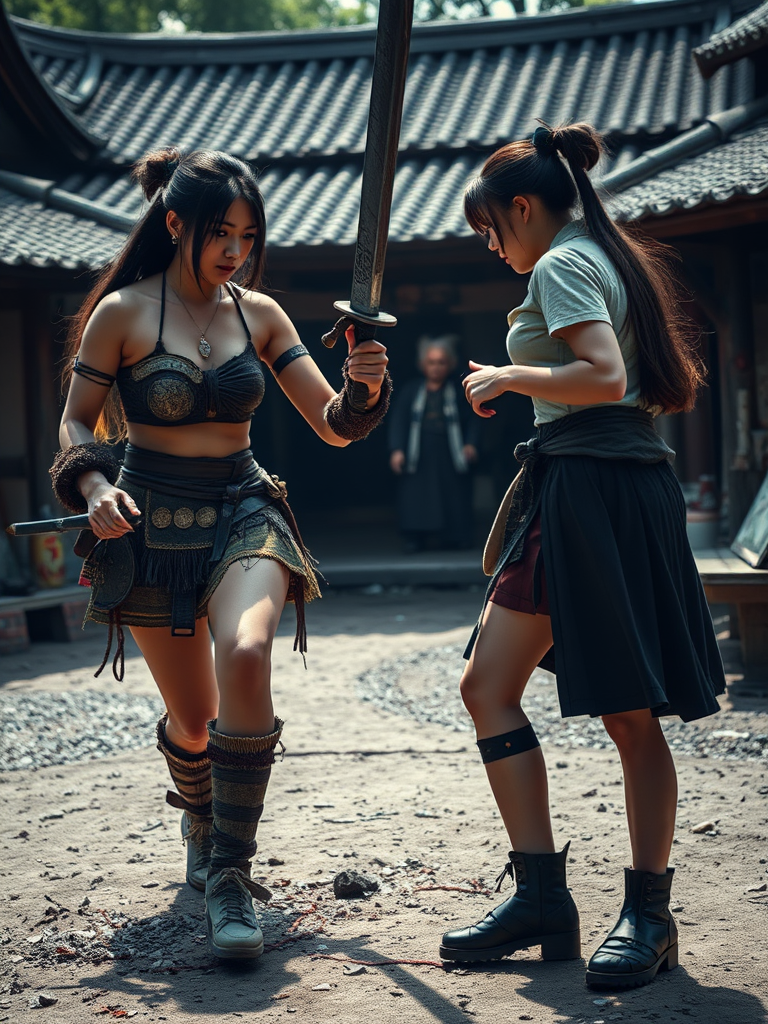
[[191, 774], [240, 770], [540, 913], [644, 940]]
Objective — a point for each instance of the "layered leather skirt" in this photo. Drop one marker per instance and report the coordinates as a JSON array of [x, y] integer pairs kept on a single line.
[[199, 516]]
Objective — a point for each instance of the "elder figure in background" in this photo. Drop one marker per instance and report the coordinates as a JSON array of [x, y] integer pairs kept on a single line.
[[433, 442]]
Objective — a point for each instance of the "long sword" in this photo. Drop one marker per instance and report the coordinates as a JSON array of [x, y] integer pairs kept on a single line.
[[390, 66]]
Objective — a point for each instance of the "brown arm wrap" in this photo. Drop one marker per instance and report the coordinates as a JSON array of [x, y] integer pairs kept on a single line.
[[346, 421], [72, 462]]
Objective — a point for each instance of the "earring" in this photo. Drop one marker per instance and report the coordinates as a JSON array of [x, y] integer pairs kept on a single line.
[[174, 240]]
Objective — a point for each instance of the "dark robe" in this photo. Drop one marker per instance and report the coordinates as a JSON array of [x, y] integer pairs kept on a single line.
[[434, 494]]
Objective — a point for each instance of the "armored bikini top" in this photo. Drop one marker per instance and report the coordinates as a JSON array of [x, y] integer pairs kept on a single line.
[[166, 390]]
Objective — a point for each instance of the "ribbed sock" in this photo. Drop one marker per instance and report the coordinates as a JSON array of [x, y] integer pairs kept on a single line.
[[191, 774], [240, 771]]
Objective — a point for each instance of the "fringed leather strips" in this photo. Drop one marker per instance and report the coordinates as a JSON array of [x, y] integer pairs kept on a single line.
[[342, 413], [72, 462]]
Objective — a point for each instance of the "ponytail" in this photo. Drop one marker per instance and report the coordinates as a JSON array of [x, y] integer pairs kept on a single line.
[[670, 368], [200, 187]]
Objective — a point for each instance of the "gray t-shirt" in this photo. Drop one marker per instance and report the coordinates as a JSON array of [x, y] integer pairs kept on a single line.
[[573, 281]]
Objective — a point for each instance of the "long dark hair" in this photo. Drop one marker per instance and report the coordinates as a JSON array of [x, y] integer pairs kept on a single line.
[[199, 187], [671, 370]]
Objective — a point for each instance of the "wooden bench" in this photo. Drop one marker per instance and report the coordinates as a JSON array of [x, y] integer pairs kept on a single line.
[[55, 614], [729, 580]]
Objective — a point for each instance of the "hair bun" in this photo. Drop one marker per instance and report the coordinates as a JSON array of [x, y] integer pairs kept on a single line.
[[580, 144], [154, 170]]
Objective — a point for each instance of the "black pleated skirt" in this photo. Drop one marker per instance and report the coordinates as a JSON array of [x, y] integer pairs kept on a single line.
[[630, 621]]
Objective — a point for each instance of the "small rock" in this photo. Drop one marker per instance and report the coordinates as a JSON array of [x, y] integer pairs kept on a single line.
[[149, 885], [589, 793], [40, 999], [560, 764], [348, 884], [758, 888], [396, 992], [525, 1016], [600, 1002], [323, 987], [602, 808], [703, 826], [275, 862], [353, 970]]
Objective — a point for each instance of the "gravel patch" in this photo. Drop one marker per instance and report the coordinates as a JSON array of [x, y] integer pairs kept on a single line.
[[43, 729], [425, 686]]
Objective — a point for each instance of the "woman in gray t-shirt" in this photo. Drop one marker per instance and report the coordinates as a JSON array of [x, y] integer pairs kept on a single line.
[[596, 578]]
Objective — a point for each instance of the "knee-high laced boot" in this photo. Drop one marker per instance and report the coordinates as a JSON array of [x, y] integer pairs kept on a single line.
[[541, 912], [644, 939], [240, 770], [191, 774]]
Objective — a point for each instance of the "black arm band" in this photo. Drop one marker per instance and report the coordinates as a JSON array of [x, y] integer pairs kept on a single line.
[[509, 743], [287, 357], [106, 380], [72, 462]]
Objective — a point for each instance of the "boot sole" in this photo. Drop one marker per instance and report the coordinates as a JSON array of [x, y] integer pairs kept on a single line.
[[200, 886], [666, 962], [232, 952], [564, 946]]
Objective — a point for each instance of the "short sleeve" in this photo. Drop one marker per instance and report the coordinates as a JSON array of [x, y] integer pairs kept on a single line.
[[569, 289]]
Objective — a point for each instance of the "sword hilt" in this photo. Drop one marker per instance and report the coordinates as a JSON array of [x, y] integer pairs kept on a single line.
[[365, 325]]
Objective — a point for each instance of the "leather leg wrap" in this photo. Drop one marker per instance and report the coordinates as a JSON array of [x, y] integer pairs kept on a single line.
[[508, 744], [191, 774], [240, 771]]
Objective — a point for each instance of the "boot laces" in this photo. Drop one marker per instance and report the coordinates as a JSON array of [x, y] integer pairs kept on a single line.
[[236, 889], [506, 870], [199, 833]]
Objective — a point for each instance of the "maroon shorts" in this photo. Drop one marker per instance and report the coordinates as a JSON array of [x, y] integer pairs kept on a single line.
[[516, 586]]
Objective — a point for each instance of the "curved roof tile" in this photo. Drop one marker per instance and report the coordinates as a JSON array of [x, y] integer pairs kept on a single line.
[[629, 71]]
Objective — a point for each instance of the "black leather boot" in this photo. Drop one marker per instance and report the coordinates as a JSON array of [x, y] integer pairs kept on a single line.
[[644, 940], [541, 913]]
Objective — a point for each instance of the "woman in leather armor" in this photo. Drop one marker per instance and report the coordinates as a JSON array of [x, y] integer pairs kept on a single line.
[[168, 352]]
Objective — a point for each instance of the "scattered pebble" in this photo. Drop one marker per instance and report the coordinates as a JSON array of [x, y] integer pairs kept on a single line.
[[40, 999], [348, 884], [703, 826], [353, 970], [323, 987], [424, 686]]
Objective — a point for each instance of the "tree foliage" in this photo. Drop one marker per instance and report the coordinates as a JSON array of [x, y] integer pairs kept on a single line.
[[195, 15], [246, 15]]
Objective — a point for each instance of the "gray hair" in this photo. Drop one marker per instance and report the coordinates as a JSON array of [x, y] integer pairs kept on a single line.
[[445, 342]]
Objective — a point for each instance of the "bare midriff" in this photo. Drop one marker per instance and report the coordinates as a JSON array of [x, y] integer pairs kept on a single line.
[[193, 441]]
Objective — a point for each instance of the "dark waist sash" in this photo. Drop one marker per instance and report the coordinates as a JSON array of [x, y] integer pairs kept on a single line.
[[191, 502], [604, 432]]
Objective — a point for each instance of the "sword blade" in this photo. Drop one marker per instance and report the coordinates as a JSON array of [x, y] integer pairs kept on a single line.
[[390, 67], [62, 525]]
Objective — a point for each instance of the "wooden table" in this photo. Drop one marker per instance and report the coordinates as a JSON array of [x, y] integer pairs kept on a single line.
[[729, 580]]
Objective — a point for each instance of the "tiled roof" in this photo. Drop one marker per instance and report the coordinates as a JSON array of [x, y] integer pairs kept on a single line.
[[736, 167], [295, 105], [32, 234], [267, 97], [746, 35]]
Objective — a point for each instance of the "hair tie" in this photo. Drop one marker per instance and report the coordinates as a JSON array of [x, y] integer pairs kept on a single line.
[[543, 140]]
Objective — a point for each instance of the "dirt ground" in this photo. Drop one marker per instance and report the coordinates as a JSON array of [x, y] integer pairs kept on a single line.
[[96, 919]]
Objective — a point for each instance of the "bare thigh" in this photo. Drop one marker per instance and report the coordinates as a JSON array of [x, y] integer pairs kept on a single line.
[[244, 613], [182, 667], [508, 648]]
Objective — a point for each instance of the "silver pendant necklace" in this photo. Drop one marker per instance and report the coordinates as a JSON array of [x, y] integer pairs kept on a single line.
[[203, 346]]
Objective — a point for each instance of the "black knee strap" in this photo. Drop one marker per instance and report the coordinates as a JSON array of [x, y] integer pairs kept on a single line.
[[516, 742]]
